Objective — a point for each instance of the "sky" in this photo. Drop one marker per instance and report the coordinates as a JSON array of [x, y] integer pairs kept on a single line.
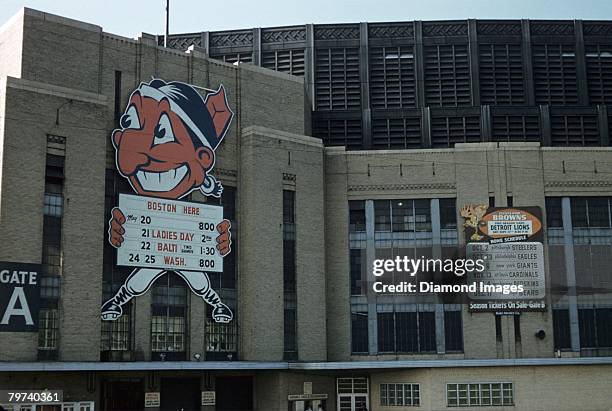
[[131, 17]]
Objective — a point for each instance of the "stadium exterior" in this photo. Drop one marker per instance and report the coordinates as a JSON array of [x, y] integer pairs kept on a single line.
[[350, 142]]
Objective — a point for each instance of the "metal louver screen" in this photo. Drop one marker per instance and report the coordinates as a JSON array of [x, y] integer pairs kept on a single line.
[[516, 128], [285, 61], [392, 78], [339, 132], [396, 133], [235, 57], [337, 84], [447, 75], [447, 131], [599, 73], [501, 74], [574, 130], [554, 67]]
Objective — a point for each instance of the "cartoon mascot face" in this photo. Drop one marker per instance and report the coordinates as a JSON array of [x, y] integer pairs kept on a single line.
[[165, 146]]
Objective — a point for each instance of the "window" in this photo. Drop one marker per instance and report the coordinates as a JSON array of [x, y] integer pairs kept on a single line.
[[402, 215], [479, 394], [453, 331], [448, 213], [50, 288], [396, 133], [392, 78], [499, 337], [554, 215], [595, 327], [352, 386], [447, 75], [501, 74], [235, 58], [382, 215], [359, 332], [116, 334], [357, 217], [337, 82], [169, 319], [358, 281], [48, 324], [521, 128], [561, 329], [399, 394], [591, 212], [289, 276], [406, 332], [599, 73], [53, 209], [221, 341], [574, 130], [285, 61], [338, 132], [447, 131], [554, 67]]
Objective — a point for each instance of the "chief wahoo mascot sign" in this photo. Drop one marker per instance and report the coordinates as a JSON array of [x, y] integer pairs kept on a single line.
[[165, 147]]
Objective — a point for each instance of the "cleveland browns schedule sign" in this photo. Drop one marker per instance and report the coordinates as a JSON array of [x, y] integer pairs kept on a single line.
[[509, 240], [169, 234]]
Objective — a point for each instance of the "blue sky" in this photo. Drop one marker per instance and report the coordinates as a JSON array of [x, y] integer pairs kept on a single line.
[[130, 17]]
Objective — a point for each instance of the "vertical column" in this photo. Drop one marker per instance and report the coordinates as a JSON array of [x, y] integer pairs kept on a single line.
[[205, 42], [604, 136], [371, 295], [257, 46], [437, 254], [581, 78], [474, 63], [545, 126], [364, 75], [485, 123], [309, 63], [420, 65], [426, 133], [527, 63], [570, 270]]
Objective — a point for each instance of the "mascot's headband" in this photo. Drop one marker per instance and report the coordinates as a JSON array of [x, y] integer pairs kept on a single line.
[[189, 106], [194, 114]]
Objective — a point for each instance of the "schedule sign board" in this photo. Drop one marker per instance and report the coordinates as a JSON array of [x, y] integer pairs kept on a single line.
[[507, 265], [509, 240], [169, 234]]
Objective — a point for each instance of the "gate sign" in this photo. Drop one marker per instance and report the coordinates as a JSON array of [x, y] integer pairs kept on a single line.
[[19, 296], [169, 234]]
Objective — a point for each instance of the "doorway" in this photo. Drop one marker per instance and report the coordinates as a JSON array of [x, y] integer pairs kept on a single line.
[[234, 393], [123, 394], [353, 394], [180, 394]]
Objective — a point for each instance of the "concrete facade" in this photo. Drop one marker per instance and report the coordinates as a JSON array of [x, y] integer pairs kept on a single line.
[[59, 78]]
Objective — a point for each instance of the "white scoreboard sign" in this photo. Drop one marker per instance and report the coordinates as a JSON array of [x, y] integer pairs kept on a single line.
[[169, 234]]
